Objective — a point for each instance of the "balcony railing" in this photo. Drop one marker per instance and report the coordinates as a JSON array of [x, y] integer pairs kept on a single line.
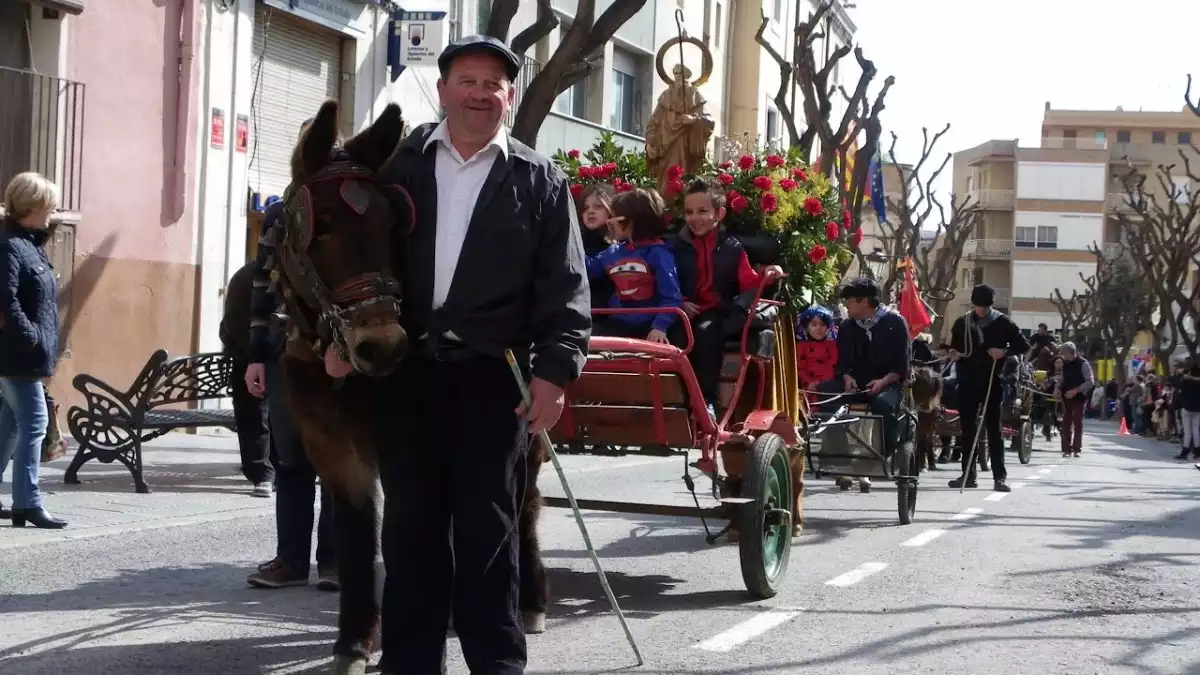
[[988, 248], [41, 129], [529, 70], [993, 199], [1061, 143], [1002, 298]]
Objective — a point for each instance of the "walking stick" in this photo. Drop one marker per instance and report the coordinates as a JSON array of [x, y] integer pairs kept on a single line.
[[978, 428], [587, 540]]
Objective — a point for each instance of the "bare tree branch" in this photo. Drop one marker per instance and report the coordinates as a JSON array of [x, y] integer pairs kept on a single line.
[[547, 21], [785, 79], [910, 214]]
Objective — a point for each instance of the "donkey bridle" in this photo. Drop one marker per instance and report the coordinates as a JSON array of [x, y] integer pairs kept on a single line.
[[298, 276]]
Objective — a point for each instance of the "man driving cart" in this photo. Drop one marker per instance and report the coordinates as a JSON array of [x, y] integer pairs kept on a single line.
[[874, 359]]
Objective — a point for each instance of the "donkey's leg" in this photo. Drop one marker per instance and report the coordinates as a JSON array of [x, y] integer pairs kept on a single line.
[[535, 588], [356, 549]]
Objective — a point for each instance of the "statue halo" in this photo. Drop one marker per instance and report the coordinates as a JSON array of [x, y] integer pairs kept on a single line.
[[706, 67]]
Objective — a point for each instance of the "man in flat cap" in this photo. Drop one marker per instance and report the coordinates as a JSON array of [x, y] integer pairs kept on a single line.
[[495, 262], [978, 342], [874, 358]]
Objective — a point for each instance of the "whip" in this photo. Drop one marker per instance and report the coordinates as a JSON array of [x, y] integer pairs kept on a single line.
[[587, 540]]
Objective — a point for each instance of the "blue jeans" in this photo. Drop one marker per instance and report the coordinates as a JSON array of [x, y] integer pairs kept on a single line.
[[295, 487], [23, 423]]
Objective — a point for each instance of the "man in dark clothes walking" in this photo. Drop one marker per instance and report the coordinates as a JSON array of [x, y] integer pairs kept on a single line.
[[978, 342], [874, 358], [249, 411], [495, 261]]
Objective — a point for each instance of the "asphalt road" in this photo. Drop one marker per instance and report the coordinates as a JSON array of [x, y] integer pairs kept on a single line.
[[1088, 566]]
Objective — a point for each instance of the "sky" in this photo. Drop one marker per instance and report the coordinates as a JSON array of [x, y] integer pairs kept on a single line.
[[988, 68]]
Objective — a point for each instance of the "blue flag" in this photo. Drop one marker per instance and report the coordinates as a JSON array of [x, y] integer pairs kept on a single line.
[[877, 197]]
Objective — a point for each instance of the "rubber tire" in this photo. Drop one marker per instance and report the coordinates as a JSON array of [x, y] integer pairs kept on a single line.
[[768, 457], [1024, 442], [905, 463]]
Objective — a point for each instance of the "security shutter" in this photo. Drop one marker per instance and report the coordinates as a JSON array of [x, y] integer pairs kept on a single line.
[[297, 66]]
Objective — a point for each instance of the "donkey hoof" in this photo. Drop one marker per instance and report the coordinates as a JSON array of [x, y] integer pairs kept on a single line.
[[535, 622], [348, 665]]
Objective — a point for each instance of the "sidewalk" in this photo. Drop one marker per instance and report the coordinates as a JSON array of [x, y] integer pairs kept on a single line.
[[193, 479]]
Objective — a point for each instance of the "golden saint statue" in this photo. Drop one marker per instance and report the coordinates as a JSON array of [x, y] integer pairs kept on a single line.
[[680, 128]]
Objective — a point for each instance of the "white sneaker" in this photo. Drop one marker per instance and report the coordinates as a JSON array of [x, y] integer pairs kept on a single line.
[[263, 490]]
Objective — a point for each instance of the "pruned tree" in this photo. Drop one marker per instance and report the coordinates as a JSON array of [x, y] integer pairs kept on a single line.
[[578, 55], [817, 94], [912, 211], [1117, 303], [1162, 234]]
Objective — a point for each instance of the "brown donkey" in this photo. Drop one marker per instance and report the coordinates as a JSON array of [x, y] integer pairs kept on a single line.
[[337, 266]]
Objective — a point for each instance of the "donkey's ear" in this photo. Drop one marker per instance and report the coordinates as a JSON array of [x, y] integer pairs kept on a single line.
[[376, 143], [312, 153]]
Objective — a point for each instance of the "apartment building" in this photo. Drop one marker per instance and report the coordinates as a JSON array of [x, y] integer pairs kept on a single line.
[[1045, 207]]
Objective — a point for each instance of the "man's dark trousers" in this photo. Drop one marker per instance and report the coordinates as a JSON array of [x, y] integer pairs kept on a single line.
[[296, 488], [971, 392], [454, 474], [253, 432]]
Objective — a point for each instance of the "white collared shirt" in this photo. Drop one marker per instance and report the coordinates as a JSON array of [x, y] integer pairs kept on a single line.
[[458, 184]]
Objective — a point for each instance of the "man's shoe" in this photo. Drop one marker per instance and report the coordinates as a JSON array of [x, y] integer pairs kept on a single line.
[[275, 575], [958, 482], [864, 485], [1184, 454], [1001, 486], [5, 514], [348, 665], [263, 490], [327, 579]]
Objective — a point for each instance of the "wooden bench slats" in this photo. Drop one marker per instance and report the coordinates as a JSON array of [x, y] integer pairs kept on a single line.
[[624, 425], [627, 389]]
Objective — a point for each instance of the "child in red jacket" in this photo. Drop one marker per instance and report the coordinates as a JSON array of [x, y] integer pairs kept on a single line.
[[816, 349]]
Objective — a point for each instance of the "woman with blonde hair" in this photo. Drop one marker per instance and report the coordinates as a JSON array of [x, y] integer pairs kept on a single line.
[[28, 339]]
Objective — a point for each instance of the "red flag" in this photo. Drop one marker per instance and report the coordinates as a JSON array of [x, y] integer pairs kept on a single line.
[[912, 308]]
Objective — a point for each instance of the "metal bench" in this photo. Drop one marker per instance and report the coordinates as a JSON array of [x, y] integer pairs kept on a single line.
[[115, 424]]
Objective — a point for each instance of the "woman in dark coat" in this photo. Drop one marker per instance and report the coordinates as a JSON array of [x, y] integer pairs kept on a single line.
[[28, 340]]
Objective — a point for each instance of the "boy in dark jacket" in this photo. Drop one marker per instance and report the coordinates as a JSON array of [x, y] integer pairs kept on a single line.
[[978, 342], [717, 281]]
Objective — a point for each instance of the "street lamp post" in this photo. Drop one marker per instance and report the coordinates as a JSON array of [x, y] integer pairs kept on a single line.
[[877, 264]]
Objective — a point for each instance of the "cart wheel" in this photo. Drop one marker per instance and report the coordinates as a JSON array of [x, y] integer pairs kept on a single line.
[[906, 463], [1024, 442], [765, 524]]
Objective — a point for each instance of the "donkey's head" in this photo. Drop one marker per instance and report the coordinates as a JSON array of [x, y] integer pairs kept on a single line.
[[343, 240], [926, 389]]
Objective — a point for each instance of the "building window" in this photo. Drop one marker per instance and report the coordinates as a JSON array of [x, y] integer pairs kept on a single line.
[[772, 127], [777, 10], [1041, 236], [1068, 133], [717, 29], [1184, 138], [1122, 136], [1158, 137], [624, 94], [483, 12], [1101, 138], [573, 101]]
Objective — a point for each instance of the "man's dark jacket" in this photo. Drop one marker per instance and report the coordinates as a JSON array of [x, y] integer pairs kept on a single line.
[[235, 322], [999, 333], [521, 281], [888, 349]]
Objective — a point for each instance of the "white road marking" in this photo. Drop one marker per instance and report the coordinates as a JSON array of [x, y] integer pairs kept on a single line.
[[1016, 485], [967, 514], [1045, 471], [745, 631], [857, 574], [1033, 477], [1050, 466], [997, 496], [924, 538]]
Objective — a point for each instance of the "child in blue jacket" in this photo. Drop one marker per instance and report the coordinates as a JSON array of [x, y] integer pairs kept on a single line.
[[641, 267]]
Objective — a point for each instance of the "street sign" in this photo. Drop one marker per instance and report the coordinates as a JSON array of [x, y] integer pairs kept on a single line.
[[416, 39]]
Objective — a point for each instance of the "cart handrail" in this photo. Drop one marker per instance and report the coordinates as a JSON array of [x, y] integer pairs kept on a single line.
[[770, 274], [683, 318]]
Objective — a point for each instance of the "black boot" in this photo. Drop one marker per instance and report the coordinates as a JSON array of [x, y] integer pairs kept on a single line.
[[5, 514], [38, 518], [1001, 486], [958, 482], [1184, 453]]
